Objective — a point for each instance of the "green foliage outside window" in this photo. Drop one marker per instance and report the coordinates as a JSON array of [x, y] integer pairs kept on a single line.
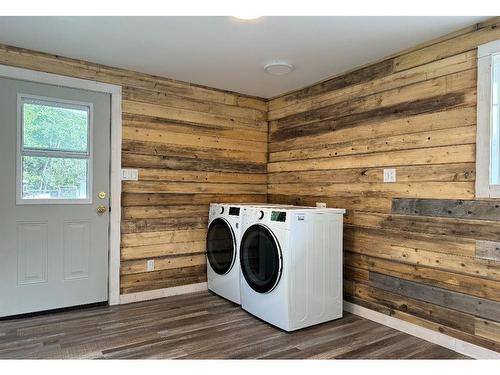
[[47, 127]]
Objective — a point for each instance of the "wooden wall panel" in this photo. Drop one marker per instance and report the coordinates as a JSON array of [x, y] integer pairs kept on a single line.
[[488, 250], [420, 249], [192, 145], [478, 210]]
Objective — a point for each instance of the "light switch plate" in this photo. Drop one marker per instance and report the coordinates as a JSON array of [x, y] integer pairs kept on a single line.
[[151, 265], [130, 174], [320, 204], [389, 175]]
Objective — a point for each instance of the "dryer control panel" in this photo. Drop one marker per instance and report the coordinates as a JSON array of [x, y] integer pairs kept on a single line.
[[278, 216], [234, 211]]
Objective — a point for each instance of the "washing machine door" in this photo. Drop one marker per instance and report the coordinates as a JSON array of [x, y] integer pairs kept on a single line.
[[221, 246], [260, 258]]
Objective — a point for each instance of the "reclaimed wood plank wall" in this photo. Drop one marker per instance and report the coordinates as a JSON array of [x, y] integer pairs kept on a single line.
[[192, 145], [421, 249]]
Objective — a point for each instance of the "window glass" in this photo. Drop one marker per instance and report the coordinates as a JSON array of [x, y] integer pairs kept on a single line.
[[220, 246], [260, 259], [47, 126], [495, 124], [54, 178], [54, 151]]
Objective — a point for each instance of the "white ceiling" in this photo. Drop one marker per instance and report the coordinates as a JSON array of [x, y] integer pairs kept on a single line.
[[225, 52]]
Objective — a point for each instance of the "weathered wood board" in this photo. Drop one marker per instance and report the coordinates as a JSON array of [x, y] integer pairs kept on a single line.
[[455, 208], [457, 301], [488, 250]]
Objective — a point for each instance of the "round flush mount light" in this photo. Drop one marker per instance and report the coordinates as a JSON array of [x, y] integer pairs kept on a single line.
[[278, 68]]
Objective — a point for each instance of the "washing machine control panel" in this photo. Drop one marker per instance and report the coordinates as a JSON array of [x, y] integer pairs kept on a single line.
[[234, 211], [278, 216]]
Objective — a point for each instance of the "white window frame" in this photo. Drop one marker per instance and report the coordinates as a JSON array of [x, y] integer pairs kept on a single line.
[[21, 151], [486, 52]]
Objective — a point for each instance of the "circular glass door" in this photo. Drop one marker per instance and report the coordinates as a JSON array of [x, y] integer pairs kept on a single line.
[[221, 250], [260, 258]]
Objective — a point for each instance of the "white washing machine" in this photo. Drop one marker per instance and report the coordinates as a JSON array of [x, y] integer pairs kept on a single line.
[[223, 238], [291, 265]]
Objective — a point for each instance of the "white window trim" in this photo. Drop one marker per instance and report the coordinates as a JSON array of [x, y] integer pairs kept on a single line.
[[58, 153], [116, 155], [484, 120]]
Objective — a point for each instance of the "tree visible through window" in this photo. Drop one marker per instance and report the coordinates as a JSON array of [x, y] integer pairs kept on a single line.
[[55, 150]]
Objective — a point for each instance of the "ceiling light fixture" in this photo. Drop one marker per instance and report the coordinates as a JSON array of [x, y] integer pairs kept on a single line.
[[247, 17], [278, 68]]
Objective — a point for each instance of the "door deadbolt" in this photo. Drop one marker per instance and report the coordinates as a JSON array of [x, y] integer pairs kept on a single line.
[[102, 194], [101, 209]]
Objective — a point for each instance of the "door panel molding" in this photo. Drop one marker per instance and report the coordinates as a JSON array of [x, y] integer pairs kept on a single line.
[[76, 245], [32, 261], [115, 154]]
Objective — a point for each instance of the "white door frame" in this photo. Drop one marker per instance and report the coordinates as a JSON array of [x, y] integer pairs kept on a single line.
[[115, 154]]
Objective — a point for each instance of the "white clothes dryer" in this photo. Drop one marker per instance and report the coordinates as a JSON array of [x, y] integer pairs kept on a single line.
[[291, 265]]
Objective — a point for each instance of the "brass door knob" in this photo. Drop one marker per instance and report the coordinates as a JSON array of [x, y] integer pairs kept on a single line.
[[101, 209]]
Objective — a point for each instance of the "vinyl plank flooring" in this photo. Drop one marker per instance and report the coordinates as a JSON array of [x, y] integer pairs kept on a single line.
[[199, 326]]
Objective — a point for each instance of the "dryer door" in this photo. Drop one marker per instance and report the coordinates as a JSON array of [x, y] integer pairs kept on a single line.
[[260, 258], [221, 246]]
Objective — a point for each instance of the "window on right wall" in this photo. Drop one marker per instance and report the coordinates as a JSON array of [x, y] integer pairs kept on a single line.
[[488, 121]]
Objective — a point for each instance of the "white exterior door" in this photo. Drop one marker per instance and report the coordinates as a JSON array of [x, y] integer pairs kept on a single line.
[[54, 196]]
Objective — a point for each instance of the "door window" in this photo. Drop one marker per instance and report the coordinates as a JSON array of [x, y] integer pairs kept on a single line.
[[260, 259], [54, 151], [221, 250]]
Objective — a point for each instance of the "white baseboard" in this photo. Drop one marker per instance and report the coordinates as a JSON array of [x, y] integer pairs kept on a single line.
[[449, 342], [160, 293]]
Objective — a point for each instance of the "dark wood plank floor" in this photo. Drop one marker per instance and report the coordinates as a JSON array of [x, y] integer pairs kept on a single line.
[[199, 325]]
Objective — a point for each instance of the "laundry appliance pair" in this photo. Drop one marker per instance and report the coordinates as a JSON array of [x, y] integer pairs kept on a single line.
[[283, 264]]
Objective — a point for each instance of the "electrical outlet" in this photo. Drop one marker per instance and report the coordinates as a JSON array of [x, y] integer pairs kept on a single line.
[[320, 204], [151, 265], [390, 175], [130, 174]]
